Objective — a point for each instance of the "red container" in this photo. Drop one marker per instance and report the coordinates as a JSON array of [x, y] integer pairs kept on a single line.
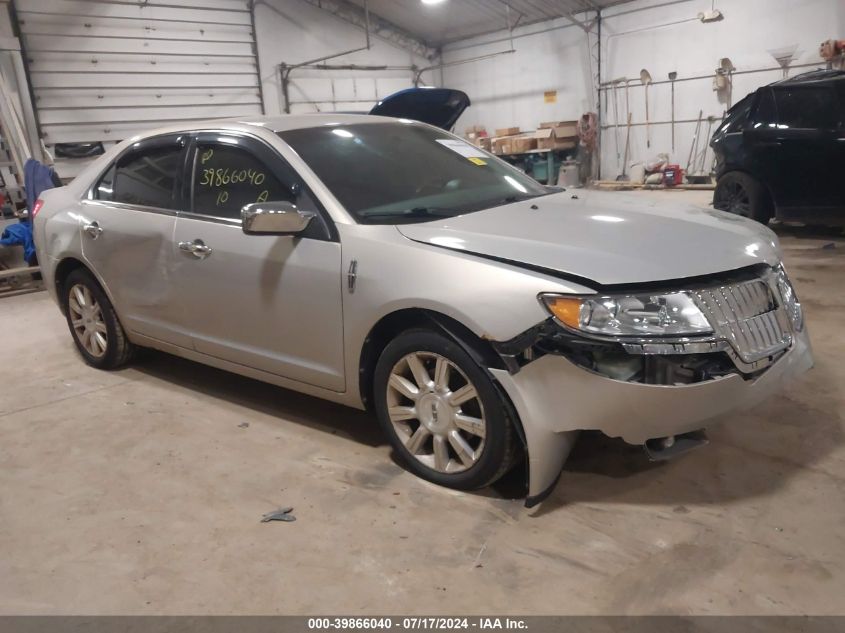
[[673, 175]]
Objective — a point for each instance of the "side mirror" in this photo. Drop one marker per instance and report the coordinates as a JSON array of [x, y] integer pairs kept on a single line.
[[274, 218]]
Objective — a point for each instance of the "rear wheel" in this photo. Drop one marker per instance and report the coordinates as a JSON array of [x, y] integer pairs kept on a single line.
[[741, 194], [98, 335], [441, 412]]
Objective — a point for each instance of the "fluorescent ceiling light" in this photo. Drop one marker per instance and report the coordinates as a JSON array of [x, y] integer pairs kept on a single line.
[[432, 1]]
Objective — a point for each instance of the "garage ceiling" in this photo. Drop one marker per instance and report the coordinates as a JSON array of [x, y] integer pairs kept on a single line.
[[452, 20]]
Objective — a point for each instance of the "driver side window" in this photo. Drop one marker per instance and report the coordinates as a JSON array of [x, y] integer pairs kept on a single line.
[[227, 177]]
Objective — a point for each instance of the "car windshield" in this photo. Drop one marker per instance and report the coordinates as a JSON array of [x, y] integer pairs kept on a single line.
[[392, 173]]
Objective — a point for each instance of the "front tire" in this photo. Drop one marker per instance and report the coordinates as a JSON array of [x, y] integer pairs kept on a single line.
[[93, 323], [741, 194], [443, 415]]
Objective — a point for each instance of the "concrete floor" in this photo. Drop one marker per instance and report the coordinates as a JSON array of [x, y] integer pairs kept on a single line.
[[140, 492]]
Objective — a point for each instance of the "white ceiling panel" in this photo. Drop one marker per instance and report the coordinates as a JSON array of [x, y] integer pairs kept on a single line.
[[452, 20]]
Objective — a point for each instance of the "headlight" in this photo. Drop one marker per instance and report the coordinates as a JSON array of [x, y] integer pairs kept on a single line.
[[671, 314], [790, 300]]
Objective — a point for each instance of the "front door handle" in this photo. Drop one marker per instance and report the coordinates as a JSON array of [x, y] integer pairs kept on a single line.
[[197, 248], [93, 229]]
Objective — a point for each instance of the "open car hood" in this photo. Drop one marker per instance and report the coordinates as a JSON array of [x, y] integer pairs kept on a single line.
[[606, 238], [436, 106]]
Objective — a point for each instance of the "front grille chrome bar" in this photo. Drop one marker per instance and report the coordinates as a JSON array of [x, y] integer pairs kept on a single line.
[[749, 316]]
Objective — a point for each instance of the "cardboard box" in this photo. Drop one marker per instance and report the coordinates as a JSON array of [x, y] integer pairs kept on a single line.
[[573, 125], [554, 138], [500, 145], [522, 144], [475, 129], [484, 142], [514, 144], [566, 131], [507, 131]]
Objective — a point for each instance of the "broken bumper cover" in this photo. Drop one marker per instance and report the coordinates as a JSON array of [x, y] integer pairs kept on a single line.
[[555, 399]]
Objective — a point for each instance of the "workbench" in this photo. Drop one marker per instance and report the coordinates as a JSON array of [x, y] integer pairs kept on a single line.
[[553, 160]]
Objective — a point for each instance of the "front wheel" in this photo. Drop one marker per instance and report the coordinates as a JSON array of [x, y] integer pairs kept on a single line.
[[441, 412], [98, 335], [741, 194]]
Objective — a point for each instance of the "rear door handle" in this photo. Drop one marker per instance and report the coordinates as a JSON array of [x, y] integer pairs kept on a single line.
[[93, 229], [197, 248]]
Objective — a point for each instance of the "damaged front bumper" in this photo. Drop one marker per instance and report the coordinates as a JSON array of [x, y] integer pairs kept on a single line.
[[555, 398], [650, 391]]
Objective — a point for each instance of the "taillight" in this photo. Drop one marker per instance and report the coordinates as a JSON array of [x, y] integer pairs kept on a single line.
[[36, 207]]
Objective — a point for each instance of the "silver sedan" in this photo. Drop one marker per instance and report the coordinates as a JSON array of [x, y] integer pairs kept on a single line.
[[386, 264]]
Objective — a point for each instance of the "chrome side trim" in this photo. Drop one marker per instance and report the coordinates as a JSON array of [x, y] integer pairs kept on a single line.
[[210, 218], [171, 212], [129, 207]]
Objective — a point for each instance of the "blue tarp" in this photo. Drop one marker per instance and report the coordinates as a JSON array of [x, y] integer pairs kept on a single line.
[[20, 234], [37, 178]]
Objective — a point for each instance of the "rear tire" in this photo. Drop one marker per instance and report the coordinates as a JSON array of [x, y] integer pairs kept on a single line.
[[443, 415], [741, 194], [93, 323]]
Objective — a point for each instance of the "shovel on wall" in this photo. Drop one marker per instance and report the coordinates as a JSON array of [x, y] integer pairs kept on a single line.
[[645, 78], [624, 174], [672, 77]]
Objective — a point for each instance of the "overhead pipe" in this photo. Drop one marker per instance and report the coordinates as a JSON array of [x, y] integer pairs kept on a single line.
[[257, 58], [351, 13], [607, 85], [609, 126], [459, 62], [286, 69], [599, 112]]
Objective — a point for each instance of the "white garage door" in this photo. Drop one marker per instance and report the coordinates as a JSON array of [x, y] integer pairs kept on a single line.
[[103, 70], [313, 91]]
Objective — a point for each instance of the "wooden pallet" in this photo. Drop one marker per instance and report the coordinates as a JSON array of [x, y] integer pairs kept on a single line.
[[624, 185], [15, 281]]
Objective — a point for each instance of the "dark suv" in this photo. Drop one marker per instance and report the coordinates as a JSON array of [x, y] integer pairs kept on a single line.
[[780, 153]]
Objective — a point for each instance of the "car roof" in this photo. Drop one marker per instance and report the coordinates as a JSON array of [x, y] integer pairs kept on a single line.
[[281, 123], [278, 123], [814, 76]]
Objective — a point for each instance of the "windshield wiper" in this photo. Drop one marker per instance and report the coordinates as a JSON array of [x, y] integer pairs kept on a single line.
[[519, 198], [489, 204], [415, 212]]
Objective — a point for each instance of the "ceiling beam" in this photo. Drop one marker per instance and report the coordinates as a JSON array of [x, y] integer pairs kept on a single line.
[[567, 13], [379, 27]]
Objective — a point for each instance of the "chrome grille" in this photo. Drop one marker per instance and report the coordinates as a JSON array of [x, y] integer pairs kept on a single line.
[[748, 316]]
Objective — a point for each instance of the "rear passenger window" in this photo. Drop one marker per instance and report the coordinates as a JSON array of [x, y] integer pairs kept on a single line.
[[226, 178], [806, 108], [766, 115], [145, 178], [737, 116]]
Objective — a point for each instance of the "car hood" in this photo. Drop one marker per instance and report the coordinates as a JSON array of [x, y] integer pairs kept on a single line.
[[606, 238]]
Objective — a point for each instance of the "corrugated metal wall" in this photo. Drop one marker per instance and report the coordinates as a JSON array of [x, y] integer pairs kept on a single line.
[[103, 70]]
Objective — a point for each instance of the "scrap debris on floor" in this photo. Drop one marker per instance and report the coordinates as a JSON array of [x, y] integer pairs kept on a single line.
[[283, 514]]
